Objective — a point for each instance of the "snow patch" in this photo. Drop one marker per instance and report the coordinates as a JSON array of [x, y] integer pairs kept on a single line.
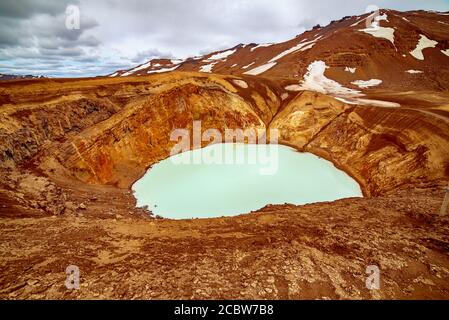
[[208, 67], [378, 103], [366, 19], [177, 61], [216, 58], [383, 17], [366, 84], [352, 70], [302, 46], [375, 21], [144, 66], [423, 43], [240, 83], [380, 32], [261, 69], [246, 67], [414, 71], [261, 46], [163, 70], [293, 87], [369, 102], [356, 23], [315, 80], [446, 52], [112, 75], [310, 46], [221, 55]]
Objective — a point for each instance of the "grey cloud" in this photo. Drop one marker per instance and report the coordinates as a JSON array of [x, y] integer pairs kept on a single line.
[[11, 32], [64, 52], [27, 8], [38, 33]]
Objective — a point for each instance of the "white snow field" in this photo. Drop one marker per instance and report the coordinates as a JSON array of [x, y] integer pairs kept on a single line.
[[352, 70], [315, 80], [366, 84], [143, 66], [221, 55], [380, 32], [423, 43], [263, 45], [261, 69], [208, 67], [164, 70]]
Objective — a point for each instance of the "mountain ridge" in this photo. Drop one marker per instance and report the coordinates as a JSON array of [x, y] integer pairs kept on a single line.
[[9, 77], [401, 49]]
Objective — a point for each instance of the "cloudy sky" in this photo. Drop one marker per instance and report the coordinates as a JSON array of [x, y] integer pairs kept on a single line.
[[119, 34]]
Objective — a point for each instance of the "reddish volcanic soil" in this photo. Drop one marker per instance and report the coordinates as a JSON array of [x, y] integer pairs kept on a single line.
[[283, 252]]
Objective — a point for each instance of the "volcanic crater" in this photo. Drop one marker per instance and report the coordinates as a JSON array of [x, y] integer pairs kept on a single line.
[[70, 150]]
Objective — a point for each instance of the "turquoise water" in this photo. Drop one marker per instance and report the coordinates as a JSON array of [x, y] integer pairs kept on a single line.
[[231, 179]]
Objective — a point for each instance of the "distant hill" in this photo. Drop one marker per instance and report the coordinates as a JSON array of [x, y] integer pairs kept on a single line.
[[9, 77]]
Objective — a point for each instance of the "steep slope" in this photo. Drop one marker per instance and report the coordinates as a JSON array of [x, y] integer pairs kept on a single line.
[[399, 49], [109, 131]]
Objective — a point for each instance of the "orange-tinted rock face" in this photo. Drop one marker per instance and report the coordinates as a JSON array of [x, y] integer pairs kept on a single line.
[[386, 149], [382, 148], [123, 146], [110, 131]]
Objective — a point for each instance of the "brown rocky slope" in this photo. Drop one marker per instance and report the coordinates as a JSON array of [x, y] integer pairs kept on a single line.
[[350, 50]]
